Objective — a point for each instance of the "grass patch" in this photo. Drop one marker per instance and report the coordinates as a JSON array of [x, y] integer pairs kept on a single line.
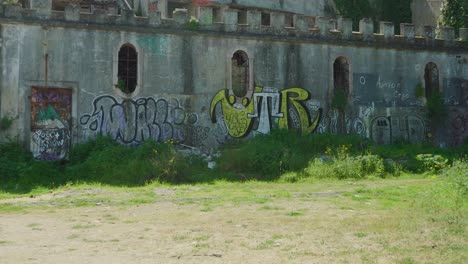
[[83, 226], [295, 213]]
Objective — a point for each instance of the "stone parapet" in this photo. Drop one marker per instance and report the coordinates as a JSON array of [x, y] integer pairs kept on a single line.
[[324, 29]]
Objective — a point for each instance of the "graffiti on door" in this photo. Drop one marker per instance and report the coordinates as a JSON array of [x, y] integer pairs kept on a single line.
[[51, 121]]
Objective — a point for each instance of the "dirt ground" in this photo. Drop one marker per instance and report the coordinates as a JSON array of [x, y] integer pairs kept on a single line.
[[301, 227]]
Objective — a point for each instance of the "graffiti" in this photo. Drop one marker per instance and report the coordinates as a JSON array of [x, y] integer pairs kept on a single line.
[[322, 127], [458, 126], [455, 91], [385, 130], [356, 126], [50, 144], [333, 121], [387, 84], [50, 122], [263, 112], [366, 111], [133, 121], [154, 45], [286, 107]]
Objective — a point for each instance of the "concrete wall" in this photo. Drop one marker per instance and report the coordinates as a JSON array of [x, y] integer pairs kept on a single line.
[[184, 91]]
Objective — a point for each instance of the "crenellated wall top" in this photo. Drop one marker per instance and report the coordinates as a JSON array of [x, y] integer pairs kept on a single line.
[[226, 21]]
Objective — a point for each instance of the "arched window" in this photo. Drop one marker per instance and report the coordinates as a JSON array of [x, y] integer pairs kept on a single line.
[[431, 79], [339, 99], [240, 73], [127, 74], [341, 75]]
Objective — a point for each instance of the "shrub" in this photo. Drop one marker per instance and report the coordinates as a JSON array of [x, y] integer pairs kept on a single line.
[[432, 163], [268, 156]]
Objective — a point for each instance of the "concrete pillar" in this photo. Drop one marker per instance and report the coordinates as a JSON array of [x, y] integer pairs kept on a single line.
[[324, 25], [230, 20], [366, 27], [180, 16], [464, 34], [407, 30], [163, 8], [302, 23], [254, 20], [345, 25], [387, 29], [13, 11], [43, 7], [429, 32], [126, 17], [205, 15], [278, 21], [72, 12], [447, 33], [154, 17]]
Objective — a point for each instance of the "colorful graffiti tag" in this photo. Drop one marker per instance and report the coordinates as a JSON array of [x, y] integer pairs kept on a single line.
[[133, 121], [50, 122], [265, 107]]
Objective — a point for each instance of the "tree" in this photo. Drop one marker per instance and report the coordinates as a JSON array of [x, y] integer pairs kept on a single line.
[[454, 13]]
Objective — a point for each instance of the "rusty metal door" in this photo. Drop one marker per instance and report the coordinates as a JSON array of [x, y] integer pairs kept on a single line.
[[51, 122]]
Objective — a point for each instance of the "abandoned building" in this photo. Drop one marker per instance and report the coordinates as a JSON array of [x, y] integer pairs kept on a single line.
[[202, 72]]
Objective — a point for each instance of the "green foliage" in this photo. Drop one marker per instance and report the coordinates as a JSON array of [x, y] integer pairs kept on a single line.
[[454, 14], [339, 100], [432, 163], [99, 160], [193, 24], [10, 2], [122, 86], [6, 122], [458, 174], [419, 91], [436, 109], [342, 165], [269, 156], [447, 201], [13, 159], [396, 11], [355, 9]]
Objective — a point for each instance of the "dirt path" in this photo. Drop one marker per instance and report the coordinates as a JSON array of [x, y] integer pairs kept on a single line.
[[314, 228]]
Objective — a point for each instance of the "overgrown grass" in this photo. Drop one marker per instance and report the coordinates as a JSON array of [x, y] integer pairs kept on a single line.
[[281, 155], [100, 160], [329, 156]]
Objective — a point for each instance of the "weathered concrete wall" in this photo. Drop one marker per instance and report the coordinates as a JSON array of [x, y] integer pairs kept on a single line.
[[184, 93]]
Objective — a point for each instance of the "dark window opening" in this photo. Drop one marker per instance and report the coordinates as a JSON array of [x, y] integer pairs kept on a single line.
[[431, 80], [266, 19], [289, 20], [240, 73], [242, 17], [127, 69], [341, 75]]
